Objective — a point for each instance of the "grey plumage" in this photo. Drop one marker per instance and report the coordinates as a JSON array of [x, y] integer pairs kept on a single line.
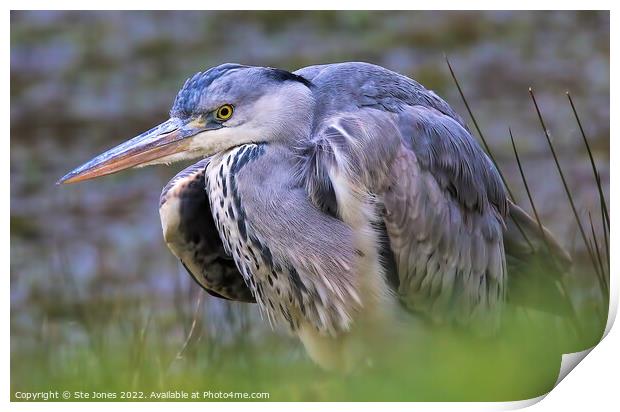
[[407, 156], [275, 233], [443, 200], [338, 191]]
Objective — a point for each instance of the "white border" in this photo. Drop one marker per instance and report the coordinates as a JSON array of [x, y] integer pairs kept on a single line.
[[592, 385]]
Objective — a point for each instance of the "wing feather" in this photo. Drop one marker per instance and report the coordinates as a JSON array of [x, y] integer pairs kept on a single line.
[[442, 203], [191, 235]]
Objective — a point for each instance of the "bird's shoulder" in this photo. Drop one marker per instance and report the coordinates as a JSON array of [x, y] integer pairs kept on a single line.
[[350, 86]]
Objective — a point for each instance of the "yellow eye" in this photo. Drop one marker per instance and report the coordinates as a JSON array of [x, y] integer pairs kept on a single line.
[[225, 112]]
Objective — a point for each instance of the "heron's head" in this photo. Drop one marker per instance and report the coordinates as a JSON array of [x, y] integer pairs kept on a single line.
[[215, 110]]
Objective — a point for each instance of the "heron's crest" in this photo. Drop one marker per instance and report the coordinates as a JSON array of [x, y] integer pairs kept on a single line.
[[230, 82]]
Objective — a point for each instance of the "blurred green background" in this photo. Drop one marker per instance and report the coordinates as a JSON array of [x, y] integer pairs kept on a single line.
[[98, 302]]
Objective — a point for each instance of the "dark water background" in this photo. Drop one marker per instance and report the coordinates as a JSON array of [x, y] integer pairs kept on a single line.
[[88, 262]]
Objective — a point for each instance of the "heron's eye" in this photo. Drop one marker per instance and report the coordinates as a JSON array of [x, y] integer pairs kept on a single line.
[[224, 112]]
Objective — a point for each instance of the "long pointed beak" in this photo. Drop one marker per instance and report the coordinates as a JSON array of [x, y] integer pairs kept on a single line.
[[166, 139]]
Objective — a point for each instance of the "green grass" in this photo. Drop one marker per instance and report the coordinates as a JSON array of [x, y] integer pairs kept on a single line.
[[522, 362]]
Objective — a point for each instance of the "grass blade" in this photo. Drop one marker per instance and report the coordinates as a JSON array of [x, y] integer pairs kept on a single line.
[[598, 254], [563, 178], [562, 286], [605, 234], [527, 190], [482, 138], [486, 147], [597, 176]]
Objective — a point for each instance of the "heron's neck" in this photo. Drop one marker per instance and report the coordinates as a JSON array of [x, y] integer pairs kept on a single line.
[[284, 116]]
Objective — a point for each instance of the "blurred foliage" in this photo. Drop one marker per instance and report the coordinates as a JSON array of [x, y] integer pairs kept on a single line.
[[424, 365], [98, 303]]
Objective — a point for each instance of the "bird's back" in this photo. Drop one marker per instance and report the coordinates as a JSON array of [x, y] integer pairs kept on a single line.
[[445, 208], [342, 87]]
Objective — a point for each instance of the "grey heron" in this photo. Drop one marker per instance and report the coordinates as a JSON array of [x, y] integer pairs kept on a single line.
[[333, 197]]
